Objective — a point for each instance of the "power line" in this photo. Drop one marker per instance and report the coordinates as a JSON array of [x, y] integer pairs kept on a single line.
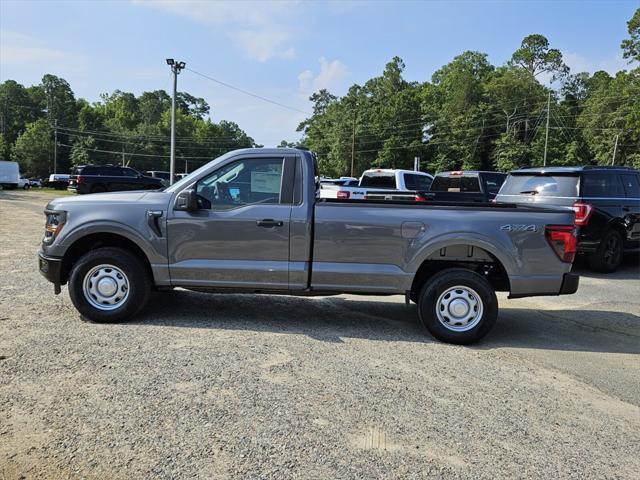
[[260, 97]]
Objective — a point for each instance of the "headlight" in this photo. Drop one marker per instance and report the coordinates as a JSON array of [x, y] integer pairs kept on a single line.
[[55, 222]]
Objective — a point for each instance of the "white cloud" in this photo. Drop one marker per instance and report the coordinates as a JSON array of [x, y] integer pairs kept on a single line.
[[18, 48], [19, 52], [330, 76], [578, 63], [255, 26], [263, 45]]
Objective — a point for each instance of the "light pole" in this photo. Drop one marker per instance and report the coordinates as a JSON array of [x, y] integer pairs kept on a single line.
[[175, 68]]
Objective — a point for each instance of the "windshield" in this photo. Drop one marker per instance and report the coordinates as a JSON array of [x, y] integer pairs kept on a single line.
[[189, 178], [541, 185]]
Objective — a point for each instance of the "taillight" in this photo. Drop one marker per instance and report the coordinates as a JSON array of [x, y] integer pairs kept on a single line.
[[562, 239], [493, 200], [343, 195], [79, 179], [419, 198], [583, 213]]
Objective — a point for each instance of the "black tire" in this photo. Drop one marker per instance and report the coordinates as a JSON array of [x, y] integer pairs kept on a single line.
[[608, 257], [486, 308], [139, 283], [98, 189]]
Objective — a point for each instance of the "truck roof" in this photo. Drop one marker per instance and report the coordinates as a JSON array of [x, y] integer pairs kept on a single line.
[[575, 169]]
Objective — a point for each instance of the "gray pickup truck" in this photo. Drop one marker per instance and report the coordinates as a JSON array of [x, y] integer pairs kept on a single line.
[[250, 221]]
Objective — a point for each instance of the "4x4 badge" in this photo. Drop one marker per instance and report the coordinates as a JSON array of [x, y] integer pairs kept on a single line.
[[519, 228]]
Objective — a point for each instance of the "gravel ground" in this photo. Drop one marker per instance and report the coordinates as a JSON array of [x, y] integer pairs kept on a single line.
[[251, 386]]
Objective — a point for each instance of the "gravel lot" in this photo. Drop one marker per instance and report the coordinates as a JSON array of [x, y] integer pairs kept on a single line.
[[251, 386]]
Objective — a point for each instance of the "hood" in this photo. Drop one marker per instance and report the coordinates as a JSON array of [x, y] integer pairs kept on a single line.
[[110, 198]]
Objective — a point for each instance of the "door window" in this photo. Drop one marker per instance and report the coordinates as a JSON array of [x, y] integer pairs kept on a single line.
[[631, 185], [128, 172], [601, 185], [244, 182]]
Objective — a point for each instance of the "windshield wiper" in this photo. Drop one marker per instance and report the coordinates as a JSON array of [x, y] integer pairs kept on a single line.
[[531, 192]]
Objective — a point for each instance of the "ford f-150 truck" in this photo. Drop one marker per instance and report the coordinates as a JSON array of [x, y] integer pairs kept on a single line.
[[250, 221]]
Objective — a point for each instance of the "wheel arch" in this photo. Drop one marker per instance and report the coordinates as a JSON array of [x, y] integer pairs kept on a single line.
[[464, 255], [91, 241]]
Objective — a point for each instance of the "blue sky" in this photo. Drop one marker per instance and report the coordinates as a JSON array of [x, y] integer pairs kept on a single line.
[[285, 50]]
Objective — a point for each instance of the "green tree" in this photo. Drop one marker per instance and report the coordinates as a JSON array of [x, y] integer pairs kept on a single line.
[[33, 149], [81, 153], [631, 46], [17, 108], [535, 57]]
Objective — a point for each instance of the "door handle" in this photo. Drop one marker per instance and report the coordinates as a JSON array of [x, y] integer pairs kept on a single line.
[[269, 223]]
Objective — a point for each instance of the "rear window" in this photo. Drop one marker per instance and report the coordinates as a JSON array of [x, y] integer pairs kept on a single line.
[[542, 185], [455, 184], [378, 180], [416, 182], [601, 185]]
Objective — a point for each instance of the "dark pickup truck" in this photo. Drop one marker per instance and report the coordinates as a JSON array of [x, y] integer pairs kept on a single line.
[[250, 221], [465, 186], [110, 178]]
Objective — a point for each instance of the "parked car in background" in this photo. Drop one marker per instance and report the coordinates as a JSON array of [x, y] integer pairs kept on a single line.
[[23, 183], [342, 181], [110, 178], [9, 174], [35, 182], [378, 179], [162, 175], [606, 201], [59, 181], [466, 186]]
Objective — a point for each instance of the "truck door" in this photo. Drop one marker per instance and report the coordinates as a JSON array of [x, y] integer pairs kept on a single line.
[[239, 236]]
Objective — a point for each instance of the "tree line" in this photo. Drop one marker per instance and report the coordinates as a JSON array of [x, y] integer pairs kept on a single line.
[[470, 115], [474, 115], [44, 126]]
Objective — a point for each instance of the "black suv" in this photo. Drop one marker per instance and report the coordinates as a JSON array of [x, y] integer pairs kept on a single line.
[[110, 178], [606, 201]]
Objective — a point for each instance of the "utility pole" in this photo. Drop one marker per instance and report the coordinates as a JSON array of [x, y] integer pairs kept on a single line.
[[546, 137], [353, 138], [416, 164], [123, 154], [55, 146], [186, 166], [615, 148], [176, 67]]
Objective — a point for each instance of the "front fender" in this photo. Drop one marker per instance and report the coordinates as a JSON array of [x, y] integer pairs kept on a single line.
[[152, 246]]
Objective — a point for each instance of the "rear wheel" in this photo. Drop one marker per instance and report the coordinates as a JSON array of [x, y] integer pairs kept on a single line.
[[109, 285], [458, 306], [608, 257]]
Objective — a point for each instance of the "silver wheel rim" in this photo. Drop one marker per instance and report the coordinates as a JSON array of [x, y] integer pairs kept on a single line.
[[459, 308], [106, 287]]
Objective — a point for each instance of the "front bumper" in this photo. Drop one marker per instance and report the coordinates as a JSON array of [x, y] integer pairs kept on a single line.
[[51, 269]]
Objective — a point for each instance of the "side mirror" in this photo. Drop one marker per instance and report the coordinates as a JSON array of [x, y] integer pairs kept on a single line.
[[187, 201]]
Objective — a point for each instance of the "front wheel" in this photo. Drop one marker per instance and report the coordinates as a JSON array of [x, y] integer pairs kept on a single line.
[[109, 285], [458, 306]]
